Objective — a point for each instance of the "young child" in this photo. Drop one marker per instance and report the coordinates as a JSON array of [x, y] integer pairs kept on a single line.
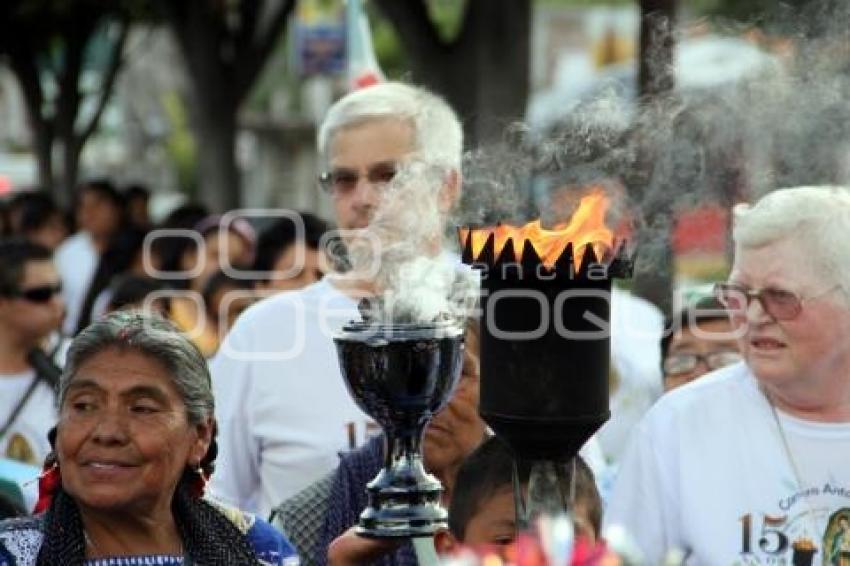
[[482, 512]]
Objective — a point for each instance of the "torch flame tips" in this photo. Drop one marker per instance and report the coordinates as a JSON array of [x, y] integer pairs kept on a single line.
[[569, 246]]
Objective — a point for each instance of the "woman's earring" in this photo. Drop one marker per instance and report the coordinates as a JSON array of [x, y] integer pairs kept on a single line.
[[199, 485], [48, 483]]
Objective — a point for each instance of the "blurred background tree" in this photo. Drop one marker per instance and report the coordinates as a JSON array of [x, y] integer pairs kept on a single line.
[[476, 53], [66, 56], [225, 46], [656, 83], [180, 145]]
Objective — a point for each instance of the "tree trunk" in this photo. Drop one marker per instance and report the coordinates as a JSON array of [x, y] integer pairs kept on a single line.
[[56, 44], [223, 62], [657, 45], [213, 113], [488, 78], [43, 149], [656, 81], [503, 33], [218, 172], [71, 150], [483, 73], [26, 72]]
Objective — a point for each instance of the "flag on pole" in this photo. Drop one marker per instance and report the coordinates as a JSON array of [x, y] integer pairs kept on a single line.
[[363, 69]]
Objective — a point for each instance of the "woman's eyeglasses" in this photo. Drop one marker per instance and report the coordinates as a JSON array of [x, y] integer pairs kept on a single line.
[[41, 294], [677, 364], [781, 304], [345, 180]]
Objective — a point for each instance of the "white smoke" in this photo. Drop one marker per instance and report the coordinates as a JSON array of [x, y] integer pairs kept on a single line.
[[417, 280], [711, 141]]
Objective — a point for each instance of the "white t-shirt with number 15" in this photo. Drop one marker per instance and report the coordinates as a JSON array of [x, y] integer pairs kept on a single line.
[[707, 472]]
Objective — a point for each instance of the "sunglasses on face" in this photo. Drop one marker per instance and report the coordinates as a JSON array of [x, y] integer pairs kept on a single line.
[[342, 180], [780, 304], [680, 363], [41, 294]]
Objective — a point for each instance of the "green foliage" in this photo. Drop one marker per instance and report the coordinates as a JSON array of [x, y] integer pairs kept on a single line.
[[388, 49], [447, 16], [180, 144], [735, 10], [584, 2], [277, 72]]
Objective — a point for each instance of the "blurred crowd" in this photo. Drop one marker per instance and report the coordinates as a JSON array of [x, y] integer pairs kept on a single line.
[[108, 255]]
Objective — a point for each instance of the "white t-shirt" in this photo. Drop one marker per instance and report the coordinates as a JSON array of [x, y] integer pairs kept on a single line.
[[707, 472], [636, 328], [26, 440], [283, 409], [76, 260]]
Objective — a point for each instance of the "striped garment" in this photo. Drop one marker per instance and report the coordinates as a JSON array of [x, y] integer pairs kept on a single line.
[[20, 542]]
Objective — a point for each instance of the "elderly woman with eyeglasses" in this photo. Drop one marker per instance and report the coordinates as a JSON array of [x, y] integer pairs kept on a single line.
[[132, 451], [751, 463]]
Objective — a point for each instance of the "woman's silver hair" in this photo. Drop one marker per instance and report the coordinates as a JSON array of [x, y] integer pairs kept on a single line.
[[152, 336], [438, 135], [816, 217]]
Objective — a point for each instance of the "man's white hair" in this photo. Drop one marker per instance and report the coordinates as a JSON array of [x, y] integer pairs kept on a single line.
[[816, 217], [438, 136]]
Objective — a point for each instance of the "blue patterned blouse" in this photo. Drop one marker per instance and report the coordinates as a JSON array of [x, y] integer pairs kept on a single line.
[[20, 542]]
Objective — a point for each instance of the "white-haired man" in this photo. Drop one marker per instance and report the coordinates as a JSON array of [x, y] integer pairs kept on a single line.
[[749, 464], [283, 411]]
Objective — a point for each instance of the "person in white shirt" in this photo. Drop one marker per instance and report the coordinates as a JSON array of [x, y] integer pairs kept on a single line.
[[749, 464], [100, 212], [284, 412], [636, 328], [30, 310]]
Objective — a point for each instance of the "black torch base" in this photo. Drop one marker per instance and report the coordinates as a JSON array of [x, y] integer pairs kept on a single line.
[[404, 502]]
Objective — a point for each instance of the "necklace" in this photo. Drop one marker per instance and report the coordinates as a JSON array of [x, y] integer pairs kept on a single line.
[[789, 456]]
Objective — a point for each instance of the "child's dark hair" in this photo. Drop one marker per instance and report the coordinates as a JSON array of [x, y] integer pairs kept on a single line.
[[489, 469], [486, 471]]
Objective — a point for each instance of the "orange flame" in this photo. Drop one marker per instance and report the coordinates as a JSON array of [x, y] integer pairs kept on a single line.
[[587, 226]]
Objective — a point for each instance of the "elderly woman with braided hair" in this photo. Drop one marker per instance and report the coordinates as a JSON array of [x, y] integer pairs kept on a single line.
[[132, 451]]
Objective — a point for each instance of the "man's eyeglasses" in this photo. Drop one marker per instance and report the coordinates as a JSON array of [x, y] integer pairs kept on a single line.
[[677, 364], [345, 180], [41, 294], [781, 304]]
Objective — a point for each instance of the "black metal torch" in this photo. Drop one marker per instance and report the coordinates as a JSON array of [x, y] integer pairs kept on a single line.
[[545, 349]]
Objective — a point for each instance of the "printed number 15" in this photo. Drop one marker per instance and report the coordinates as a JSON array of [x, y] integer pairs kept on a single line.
[[772, 540]]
